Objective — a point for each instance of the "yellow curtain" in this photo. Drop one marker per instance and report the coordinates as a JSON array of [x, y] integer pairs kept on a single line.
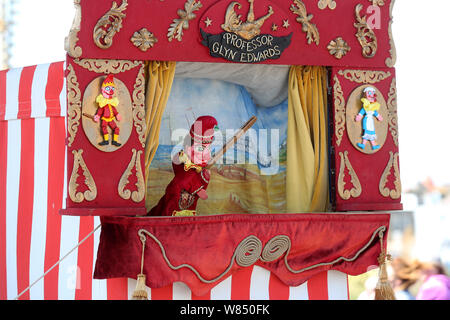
[[159, 84], [307, 154]]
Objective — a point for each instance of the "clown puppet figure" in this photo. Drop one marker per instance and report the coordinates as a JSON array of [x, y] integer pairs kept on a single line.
[[107, 112]]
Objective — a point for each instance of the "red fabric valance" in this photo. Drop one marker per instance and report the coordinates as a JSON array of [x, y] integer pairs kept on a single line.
[[207, 244]]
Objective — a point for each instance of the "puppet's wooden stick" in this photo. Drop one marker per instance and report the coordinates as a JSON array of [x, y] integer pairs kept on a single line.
[[231, 142], [88, 116]]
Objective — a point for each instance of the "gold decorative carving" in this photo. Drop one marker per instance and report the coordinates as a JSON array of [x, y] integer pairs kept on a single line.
[[364, 76], [392, 111], [138, 105], [365, 34], [70, 42], [108, 25], [89, 194], [378, 3], [396, 193], [73, 104], [356, 190], [143, 39], [355, 129], [338, 48], [312, 33], [322, 4], [339, 110], [248, 29], [177, 26], [390, 61], [136, 196], [107, 66]]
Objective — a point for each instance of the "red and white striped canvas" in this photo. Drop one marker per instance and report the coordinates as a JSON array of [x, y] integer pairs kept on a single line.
[[33, 236]]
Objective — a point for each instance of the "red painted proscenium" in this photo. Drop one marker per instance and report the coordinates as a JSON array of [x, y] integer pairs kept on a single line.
[[157, 16], [105, 168], [314, 28]]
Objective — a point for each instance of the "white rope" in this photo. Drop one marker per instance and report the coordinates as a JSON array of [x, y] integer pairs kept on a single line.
[[57, 263]]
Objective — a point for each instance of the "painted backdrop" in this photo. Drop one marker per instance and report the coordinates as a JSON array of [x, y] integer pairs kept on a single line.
[[251, 176]]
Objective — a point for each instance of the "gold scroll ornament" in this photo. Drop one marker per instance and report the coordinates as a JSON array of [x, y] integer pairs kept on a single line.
[[390, 61], [364, 76], [339, 111], [91, 193], [74, 104], [136, 196], [385, 192], [378, 3], [392, 111], [186, 15], [312, 33], [70, 42], [365, 34], [108, 25], [107, 66], [354, 192]]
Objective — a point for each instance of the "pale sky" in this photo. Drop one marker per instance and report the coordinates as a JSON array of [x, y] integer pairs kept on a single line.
[[421, 37]]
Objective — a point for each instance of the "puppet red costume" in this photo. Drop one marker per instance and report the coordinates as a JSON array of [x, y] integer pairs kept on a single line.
[[107, 111], [191, 177]]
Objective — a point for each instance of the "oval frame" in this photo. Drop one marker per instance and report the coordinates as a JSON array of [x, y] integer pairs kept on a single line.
[[89, 106], [355, 130]]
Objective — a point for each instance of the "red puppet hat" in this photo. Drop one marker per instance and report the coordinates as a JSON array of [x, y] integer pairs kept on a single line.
[[202, 130], [109, 81]]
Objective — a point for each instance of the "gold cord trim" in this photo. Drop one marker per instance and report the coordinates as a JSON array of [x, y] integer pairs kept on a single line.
[[250, 250]]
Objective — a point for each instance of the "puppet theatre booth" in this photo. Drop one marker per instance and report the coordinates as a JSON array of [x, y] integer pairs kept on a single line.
[[209, 149]]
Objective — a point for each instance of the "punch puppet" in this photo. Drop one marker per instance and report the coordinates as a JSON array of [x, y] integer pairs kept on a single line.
[[191, 168], [191, 176]]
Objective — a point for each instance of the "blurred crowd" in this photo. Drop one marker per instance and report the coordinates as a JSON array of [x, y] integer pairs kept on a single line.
[[413, 280]]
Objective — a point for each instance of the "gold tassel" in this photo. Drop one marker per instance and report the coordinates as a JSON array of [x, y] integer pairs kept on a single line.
[[140, 293], [383, 290]]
